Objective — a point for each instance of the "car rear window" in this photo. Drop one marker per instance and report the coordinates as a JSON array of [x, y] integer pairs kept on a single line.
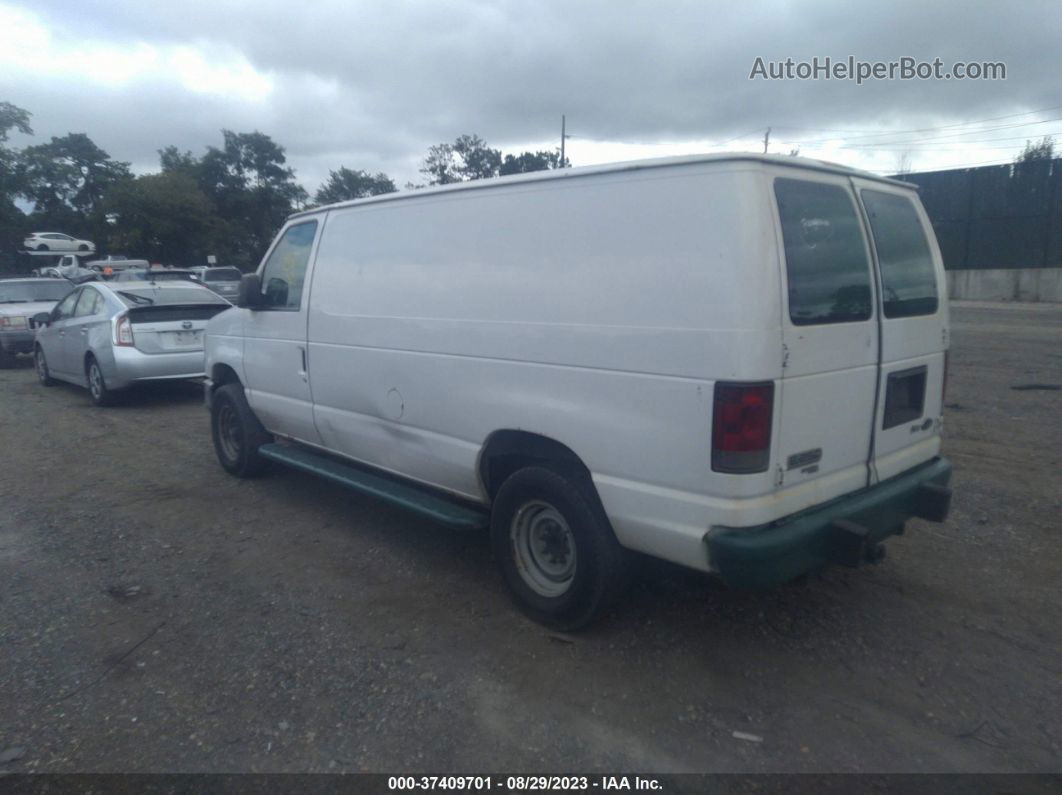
[[222, 275], [144, 296], [825, 255], [909, 281]]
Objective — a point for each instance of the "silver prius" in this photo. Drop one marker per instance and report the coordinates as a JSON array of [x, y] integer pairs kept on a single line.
[[108, 336]]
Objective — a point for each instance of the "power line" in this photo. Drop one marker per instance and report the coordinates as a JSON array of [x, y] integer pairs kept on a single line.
[[948, 136], [872, 133], [931, 142]]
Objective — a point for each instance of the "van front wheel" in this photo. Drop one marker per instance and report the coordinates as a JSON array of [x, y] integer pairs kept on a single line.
[[555, 547], [237, 433]]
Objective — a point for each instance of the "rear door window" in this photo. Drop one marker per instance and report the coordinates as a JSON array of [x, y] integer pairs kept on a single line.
[[827, 269], [88, 303], [908, 278], [285, 270], [65, 308]]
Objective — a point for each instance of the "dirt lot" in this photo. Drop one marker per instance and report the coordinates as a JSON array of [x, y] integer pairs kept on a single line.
[[158, 615]]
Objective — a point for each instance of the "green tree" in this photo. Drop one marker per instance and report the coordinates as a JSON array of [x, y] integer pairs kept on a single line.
[[249, 184], [165, 217], [346, 184], [1041, 150], [530, 161], [13, 222], [467, 158], [478, 161], [68, 174]]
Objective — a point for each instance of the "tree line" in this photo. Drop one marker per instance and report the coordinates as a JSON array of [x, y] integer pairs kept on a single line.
[[229, 201]]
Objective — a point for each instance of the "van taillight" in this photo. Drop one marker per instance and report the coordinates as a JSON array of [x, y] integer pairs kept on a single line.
[[741, 427], [123, 332]]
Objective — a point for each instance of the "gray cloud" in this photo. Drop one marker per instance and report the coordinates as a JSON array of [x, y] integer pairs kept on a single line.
[[404, 75]]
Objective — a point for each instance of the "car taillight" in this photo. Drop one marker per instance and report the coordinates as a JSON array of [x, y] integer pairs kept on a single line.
[[123, 332], [741, 427]]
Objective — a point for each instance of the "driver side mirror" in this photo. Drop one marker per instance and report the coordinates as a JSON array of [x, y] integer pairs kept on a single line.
[[41, 319], [250, 294]]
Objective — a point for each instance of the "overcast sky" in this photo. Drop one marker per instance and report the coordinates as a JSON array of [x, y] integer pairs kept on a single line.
[[371, 85]]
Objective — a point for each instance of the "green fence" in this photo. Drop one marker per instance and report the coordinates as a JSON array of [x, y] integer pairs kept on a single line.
[[996, 216]]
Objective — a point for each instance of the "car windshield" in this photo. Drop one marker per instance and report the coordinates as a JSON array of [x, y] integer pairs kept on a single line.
[[222, 275], [32, 290], [141, 296]]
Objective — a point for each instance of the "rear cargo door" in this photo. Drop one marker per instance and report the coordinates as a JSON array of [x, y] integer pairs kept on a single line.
[[829, 334], [914, 328]]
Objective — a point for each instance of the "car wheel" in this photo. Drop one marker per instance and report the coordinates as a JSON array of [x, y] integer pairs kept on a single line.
[[555, 547], [97, 385], [42, 247], [82, 247], [42, 367], [237, 433]]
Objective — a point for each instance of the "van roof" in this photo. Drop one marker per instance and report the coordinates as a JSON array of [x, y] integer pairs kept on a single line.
[[632, 165]]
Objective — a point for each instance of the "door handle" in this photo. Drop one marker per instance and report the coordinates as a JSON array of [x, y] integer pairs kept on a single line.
[[84, 331]]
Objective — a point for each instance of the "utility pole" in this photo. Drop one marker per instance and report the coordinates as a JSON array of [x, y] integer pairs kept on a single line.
[[766, 138], [563, 137]]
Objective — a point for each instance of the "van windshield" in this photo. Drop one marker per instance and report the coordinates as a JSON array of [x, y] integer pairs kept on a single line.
[[826, 262], [909, 282]]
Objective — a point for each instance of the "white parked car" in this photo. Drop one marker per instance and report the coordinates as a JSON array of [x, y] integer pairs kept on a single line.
[[735, 363], [56, 241]]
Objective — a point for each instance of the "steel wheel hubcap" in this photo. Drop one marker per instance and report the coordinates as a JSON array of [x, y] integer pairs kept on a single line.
[[42, 368], [543, 548], [229, 432]]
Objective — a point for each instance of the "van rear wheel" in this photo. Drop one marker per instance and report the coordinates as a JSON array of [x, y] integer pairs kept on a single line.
[[555, 547], [237, 433]]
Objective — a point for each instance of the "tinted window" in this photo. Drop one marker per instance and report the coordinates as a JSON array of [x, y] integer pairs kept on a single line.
[[909, 283], [285, 270], [222, 275], [145, 296], [25, 292], [825, 256], [88, 303]]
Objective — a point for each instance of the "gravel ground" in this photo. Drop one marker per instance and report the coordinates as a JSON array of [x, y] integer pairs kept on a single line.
[[158, 615]]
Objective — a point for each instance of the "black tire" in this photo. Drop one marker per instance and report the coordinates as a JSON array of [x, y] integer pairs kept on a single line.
[[237, 433], [42, 247], [44, 375], [539, 516], [82, 247], [100, 393]]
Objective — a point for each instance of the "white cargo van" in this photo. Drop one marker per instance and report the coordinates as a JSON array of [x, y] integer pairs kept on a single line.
[[735, 363]]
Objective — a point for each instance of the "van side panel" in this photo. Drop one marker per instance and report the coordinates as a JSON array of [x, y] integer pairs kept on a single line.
[[598, 312]]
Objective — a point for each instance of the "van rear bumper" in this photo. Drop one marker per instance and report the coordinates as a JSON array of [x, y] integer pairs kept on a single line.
[[845, 531]]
